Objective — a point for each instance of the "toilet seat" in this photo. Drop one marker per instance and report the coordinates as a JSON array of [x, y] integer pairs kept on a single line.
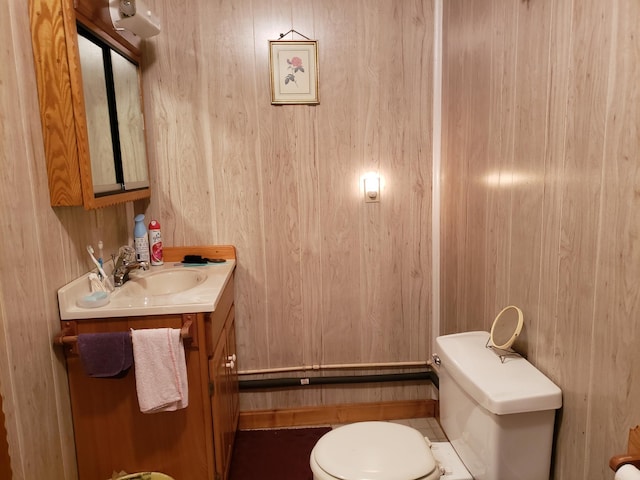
[[373, 451]]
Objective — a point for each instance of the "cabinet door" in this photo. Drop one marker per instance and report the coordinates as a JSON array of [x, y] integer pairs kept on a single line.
[[220, 406], [232, 376], [94, 86], [225, 399], [112, 434], [113, 108]]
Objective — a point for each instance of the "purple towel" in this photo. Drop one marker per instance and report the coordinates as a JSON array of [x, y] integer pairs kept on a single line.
[[105, 354]]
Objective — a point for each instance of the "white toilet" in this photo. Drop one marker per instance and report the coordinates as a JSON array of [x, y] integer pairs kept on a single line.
[[498, 414]]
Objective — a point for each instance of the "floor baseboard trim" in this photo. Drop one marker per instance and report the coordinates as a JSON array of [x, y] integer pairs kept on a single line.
[[332, 414]]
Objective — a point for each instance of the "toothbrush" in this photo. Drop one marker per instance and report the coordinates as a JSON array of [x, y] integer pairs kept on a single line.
[[100, 261], [104, 275]]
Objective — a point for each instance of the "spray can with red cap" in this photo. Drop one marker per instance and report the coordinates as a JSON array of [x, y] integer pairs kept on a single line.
[[155, 243]]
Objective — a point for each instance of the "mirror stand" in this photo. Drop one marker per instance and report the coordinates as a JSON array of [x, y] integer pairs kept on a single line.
[[501, 352]]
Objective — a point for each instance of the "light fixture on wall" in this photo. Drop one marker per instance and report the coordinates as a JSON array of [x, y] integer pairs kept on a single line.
[[135, 17], [127, 8], [371, 182]]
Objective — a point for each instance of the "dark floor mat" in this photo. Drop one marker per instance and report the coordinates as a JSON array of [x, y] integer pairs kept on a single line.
[[274, 454]]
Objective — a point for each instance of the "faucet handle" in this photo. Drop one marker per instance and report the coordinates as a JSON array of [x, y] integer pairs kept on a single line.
[[126, 255]]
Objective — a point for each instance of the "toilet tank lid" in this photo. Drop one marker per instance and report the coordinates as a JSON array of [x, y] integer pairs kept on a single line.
[[515, 386]]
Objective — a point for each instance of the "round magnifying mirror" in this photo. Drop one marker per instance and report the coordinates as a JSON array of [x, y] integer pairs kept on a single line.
[[506, 327]]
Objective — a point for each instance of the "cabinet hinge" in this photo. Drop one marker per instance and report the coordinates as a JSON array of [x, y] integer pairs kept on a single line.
[[211, 389]]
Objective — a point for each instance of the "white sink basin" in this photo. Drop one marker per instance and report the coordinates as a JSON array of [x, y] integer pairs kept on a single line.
[[164, 282], [167, 289]]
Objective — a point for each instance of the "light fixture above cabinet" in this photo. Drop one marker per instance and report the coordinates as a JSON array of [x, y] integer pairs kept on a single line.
[[135, 17]]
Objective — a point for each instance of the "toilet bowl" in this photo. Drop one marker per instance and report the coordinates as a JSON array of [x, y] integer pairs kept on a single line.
[[375, 451], [145, 476]]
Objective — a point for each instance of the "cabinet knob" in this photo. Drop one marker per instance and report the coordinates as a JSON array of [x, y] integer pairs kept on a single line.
[[232, 358], [230, 364]]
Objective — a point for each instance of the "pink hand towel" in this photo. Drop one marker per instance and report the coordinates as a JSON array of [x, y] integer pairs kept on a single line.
[[161, 370]]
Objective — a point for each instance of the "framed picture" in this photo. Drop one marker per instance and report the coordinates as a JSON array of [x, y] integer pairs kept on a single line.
[[294, 72]]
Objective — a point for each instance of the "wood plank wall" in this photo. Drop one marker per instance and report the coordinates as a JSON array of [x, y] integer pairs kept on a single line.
[[323, 277], [42, 249], [540, 201]]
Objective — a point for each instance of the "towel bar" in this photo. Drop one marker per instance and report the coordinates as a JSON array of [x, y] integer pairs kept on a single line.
[[62, 339], [633, 452]]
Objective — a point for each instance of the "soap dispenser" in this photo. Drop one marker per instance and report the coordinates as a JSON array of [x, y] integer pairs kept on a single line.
[[141, 239]]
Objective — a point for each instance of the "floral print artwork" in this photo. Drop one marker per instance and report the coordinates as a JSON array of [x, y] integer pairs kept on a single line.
[[294, 72], [295, 66]]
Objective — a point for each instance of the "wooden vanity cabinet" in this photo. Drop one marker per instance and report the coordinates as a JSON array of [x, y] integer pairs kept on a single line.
[[195, 443]]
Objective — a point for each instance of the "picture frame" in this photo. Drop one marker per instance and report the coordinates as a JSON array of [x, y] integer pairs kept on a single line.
[[294, 72]]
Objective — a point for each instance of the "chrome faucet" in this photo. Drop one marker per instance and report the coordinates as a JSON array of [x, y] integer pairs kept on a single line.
[[121, 273], [123, 263]]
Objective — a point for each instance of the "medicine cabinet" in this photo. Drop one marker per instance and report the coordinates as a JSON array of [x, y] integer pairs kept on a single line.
[[90, 95]]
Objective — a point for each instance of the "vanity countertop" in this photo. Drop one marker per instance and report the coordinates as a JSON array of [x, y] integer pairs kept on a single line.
[[132, 300]]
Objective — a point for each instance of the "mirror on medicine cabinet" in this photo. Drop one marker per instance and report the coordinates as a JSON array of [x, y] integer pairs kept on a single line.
[[91, 108], [115, 124]]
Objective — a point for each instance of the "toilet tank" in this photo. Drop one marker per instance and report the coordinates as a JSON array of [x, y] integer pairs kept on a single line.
[[498, 415]]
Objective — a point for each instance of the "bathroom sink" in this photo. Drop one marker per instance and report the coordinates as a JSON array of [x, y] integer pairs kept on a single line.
[[161, 290], [164, 282]]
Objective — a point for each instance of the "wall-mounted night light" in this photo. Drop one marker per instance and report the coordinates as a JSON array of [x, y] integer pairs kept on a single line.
[[371, 187]]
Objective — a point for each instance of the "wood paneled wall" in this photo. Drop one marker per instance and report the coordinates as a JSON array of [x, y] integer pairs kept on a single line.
[[42, 249], [323, 277], [540, 179], [540, 201]]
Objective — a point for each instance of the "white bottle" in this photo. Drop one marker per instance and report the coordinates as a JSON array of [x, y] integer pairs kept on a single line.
[[141, 239]]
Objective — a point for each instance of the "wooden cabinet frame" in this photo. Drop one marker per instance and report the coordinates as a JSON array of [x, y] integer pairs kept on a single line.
[[61, 99]]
